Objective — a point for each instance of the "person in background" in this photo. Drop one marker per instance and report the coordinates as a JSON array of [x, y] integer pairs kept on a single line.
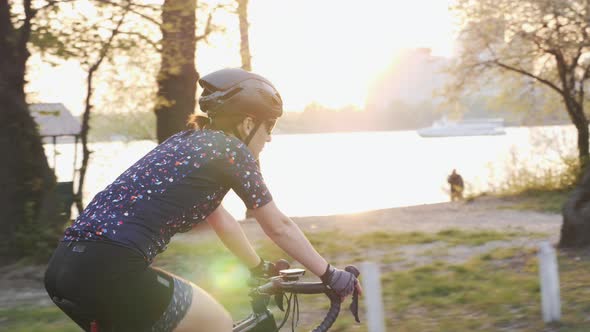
[[456, 182]]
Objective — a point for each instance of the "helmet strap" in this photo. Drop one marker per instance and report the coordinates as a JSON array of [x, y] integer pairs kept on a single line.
[[257, 124]]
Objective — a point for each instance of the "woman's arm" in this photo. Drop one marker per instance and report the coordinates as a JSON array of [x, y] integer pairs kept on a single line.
[[233, 237], [287, 235]]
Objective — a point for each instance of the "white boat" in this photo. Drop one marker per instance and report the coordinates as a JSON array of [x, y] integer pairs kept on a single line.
[[466, 127]]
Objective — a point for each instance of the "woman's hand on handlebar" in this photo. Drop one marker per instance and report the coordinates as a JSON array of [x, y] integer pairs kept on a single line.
[[342, 282], [264, 269]]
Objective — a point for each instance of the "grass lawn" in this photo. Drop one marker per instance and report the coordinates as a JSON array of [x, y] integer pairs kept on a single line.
[[494, 291], [537, 200]]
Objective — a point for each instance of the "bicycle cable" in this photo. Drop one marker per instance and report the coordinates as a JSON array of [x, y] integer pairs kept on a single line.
[[294, 322], [295, 312]]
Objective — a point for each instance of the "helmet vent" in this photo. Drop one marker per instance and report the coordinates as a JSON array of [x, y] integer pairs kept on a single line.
[[277, 101], [231, 93]]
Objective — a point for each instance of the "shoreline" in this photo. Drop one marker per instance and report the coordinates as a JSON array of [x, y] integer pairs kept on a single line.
[[483, 213]]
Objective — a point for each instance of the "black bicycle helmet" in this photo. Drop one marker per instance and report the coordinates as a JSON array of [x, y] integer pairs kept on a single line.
[[236, 91]]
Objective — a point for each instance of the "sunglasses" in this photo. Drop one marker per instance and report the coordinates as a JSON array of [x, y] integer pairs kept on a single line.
[[269, 125]]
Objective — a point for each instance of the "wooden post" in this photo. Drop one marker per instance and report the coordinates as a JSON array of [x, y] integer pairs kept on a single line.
[[371, 282], [54, 154], [76, 138], [548, 273]]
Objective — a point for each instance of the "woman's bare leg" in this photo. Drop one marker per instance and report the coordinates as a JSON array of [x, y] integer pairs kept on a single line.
[[205, 314]]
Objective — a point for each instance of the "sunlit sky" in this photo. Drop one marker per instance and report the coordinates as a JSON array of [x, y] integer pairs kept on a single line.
[[324, 51]]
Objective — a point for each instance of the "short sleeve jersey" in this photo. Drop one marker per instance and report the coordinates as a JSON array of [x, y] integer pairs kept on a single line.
[[171, 189]]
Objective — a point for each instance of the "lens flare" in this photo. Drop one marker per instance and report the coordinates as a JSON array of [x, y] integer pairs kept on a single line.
[[226, 274]]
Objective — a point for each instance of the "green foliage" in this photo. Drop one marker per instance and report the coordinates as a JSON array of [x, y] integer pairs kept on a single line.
[[520, 179], [35, 240], [527, 187], [40, 319], [81, 30], [449, 236], [542, 185], [534, 200], [137, 125], [497, 291]]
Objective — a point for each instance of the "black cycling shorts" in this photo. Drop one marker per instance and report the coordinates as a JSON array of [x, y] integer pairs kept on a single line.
[[116, 287]]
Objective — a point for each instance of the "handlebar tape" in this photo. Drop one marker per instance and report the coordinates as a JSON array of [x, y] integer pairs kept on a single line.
[[332, 314], [335, 305]]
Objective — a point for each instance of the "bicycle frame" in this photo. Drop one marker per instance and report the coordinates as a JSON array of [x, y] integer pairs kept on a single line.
[[261, 319], [257, 323]]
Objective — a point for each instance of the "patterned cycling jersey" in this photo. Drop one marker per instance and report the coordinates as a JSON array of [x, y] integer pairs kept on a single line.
[[171, 189]]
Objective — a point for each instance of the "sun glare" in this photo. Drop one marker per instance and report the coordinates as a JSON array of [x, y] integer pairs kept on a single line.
[[328, 52]]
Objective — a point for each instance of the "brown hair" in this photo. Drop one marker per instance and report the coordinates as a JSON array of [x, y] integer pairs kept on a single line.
[[226, 123], [196, 121]]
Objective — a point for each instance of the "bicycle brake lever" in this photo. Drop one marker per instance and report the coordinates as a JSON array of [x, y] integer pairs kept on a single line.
[[354, 305], [279, 301]]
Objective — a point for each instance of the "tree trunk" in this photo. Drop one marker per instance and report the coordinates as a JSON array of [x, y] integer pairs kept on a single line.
[[575, 230], [29, 220], [177, 79], [28, 217], [244, 37], [578, 118]]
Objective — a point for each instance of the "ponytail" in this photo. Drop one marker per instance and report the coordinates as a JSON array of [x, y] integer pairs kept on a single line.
[[196, 121]]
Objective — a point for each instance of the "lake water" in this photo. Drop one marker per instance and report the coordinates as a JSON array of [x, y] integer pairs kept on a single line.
[[323, 174]]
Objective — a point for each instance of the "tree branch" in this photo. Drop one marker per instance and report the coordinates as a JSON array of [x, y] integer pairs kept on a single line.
[[526, 73], [210, 27], [538, 41], [133, 4], [88, 107], [580, 47], [150, 42], [106, 46], [25, 29], [51, 3], [136, 12], [585, 76]]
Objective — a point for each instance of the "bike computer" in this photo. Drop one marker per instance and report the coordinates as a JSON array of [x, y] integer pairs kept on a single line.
[[291, 274]]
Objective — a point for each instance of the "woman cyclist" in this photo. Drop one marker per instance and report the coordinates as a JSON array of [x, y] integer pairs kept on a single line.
[[103, 263]]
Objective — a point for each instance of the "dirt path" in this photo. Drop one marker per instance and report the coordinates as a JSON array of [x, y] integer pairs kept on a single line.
[[486, 213], [24, 285]]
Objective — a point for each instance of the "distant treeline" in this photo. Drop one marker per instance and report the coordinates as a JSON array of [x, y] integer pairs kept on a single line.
[[318, 119]]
